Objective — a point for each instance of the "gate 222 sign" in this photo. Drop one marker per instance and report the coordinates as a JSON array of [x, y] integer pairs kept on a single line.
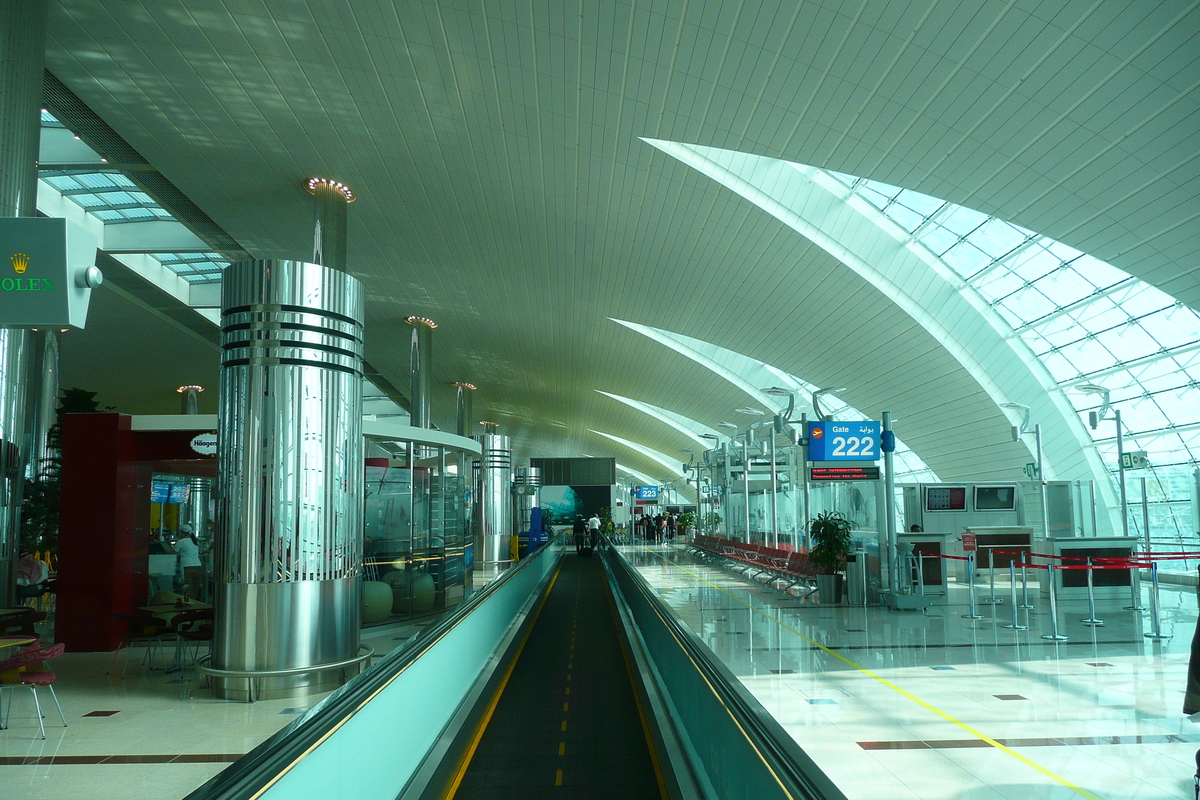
[[844, 441]]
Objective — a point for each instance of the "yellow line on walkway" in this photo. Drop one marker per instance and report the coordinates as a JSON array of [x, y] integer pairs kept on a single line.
[[903, 693], [558, 777]]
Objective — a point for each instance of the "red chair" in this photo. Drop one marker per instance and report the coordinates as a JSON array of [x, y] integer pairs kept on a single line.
[[36, 675]]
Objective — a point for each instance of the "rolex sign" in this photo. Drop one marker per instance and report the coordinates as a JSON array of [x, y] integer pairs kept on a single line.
[[47, 272]]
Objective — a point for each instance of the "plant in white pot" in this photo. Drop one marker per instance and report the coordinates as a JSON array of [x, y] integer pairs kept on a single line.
[[830, 534]]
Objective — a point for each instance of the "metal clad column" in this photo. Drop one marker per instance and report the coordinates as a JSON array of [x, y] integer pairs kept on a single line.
[[527, 489], [22, 61], [493, 508], [290, 454], [419, 353]]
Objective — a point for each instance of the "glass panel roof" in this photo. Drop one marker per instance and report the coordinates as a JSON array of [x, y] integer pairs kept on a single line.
[[112, 197], [1087, 321]]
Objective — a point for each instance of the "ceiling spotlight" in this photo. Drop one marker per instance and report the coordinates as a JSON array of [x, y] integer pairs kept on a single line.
[[314, 183], [425, 320]]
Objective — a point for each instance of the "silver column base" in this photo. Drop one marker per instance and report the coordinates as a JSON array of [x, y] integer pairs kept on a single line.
[[284, 626]]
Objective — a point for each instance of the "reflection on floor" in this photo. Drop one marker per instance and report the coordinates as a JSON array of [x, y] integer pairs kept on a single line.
[[152, 735], [905, 705]]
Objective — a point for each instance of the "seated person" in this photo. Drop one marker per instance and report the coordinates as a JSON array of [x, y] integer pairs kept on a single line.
[[32, 575]]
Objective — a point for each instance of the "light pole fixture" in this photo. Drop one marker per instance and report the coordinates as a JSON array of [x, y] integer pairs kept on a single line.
[[1018, 430], [816, 396], [1094, 419]]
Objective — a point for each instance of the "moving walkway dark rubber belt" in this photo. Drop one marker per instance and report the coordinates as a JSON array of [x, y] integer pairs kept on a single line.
[[567, 714]]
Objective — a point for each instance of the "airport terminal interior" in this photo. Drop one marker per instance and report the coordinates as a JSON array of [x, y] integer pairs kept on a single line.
[[675, 399]]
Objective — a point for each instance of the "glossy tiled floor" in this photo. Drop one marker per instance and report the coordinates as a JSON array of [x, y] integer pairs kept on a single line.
[[902, 705], [165, 739]]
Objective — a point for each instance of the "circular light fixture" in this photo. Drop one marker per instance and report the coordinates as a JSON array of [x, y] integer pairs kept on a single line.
[[183, 389], [464, 385], [415, 319], [758, 412], [313, 183]]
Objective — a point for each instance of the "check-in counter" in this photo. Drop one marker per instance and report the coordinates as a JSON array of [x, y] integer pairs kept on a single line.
[[1071, 584]]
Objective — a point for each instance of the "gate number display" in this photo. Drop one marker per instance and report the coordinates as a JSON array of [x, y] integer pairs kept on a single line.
[[844, 441]]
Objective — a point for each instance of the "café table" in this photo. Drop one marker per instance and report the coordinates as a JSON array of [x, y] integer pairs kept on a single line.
[[167, 611]]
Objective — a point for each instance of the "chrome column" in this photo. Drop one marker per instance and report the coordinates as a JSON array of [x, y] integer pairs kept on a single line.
[[22, 62], [290, 457], [527, 488], [420, 349], [493, 504], [462, 409], [189, 399]]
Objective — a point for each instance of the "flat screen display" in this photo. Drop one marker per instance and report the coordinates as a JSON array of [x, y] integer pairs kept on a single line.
[[945, 498], [995, 498], [160, 491], [179, 493]]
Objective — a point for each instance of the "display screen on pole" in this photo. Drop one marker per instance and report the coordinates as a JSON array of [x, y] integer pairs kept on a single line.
[[945, 498], [819, 474], [844, 441]]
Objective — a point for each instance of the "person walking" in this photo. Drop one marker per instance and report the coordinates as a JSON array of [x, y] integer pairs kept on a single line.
[[579, 530], [593, 524], [189, 558]]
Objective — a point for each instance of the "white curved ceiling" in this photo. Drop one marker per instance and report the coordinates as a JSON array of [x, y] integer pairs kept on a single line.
[[505, 190]]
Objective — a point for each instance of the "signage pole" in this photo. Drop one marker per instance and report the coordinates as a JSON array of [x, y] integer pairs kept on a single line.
[[889, 506], [1042, 482], [804, 476], [1121, 474], [1146, 515], [746, 480], [774, 496]]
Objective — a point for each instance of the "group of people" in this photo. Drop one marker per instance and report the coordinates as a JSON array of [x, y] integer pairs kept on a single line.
[[587, 533], [660, 527]]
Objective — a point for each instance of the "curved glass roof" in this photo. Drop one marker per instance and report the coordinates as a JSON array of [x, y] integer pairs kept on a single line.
[[1087, 321]]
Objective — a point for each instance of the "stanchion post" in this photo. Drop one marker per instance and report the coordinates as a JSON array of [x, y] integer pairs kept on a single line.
[[1012, 598], [971, 588], [1154, 618], [1024, 581], [992, 599], [1091, 620], [1135, 597], [921, 572], [1053, 635]]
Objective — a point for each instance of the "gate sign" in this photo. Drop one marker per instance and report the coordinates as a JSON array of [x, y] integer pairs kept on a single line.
[[968, 540], [645, 495], [844, 441]]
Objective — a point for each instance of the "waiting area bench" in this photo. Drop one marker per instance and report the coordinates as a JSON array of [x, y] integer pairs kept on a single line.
[[756, 560]]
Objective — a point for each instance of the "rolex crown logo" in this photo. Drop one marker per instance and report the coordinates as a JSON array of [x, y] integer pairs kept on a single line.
[[20, 262]]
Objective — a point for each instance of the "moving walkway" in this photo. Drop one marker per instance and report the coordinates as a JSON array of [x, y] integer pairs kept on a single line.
[[566, 677]]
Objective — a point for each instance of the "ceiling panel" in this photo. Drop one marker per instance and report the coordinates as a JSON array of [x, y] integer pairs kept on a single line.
[[505, 193]]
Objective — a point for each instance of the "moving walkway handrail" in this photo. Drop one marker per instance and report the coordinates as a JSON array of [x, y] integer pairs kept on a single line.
[[740, 749], [255, 773]]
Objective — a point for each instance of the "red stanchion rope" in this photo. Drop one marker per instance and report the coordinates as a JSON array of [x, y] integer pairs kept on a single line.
[[943, 555]]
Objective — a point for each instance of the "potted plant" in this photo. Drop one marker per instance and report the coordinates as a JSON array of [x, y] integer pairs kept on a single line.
[[830, 533], [687, 522]]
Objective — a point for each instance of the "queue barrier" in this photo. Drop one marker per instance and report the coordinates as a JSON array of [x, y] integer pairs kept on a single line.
[[1139, 561]]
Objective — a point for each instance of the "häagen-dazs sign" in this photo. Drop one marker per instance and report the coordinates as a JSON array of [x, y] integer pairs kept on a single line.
[[47, 272], [205, 444]]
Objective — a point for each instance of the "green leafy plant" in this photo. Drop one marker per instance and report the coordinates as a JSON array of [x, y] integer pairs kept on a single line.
[[687, 520], [830, 532], [606, 520]]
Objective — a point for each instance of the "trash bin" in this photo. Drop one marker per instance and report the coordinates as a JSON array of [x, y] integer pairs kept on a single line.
[[856, 578]]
